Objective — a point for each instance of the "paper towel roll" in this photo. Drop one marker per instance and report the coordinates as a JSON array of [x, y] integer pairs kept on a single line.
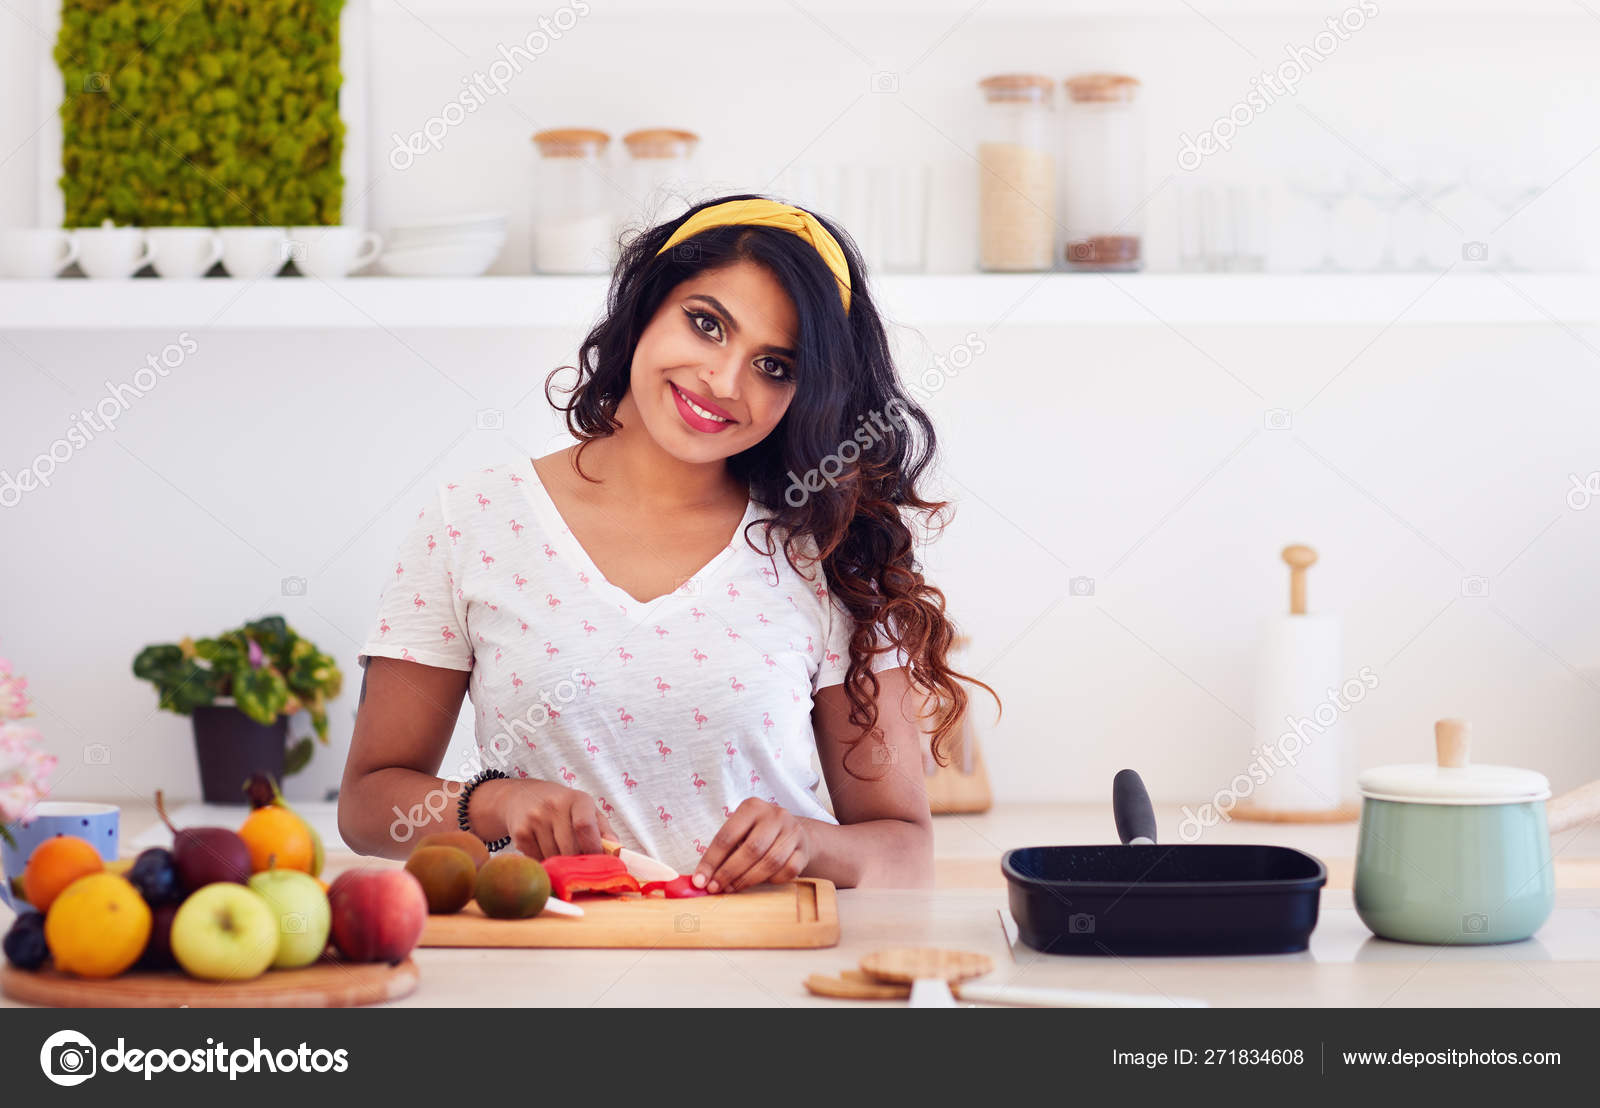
[[1298, 756]]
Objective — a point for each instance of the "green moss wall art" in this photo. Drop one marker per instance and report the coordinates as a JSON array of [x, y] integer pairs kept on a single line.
[[200, 113]]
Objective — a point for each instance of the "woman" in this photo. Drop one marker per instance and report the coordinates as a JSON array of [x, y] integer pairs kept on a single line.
[[661, 625]]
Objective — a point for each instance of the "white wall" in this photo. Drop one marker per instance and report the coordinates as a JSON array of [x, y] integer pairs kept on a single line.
[[1135, 456]]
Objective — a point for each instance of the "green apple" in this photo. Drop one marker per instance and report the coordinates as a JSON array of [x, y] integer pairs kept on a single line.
[[225, 931], [301, 909]]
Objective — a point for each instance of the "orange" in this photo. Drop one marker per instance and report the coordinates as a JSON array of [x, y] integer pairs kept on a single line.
[[278, 834], [55, 864], [97, 927]]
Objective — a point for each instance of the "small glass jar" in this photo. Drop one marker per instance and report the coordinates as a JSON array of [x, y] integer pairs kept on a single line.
[[661, 174], [573, 224], [1102, 177], [1017, 174]]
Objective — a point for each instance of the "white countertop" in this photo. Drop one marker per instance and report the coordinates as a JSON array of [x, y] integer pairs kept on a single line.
[[1345, 966]]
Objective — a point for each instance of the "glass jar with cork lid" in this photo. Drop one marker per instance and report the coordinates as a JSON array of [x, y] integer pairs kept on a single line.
[[573, 225], [660, 176], [1017, 174], [1102, 175]]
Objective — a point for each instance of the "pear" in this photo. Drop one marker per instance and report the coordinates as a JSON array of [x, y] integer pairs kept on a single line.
[[263, 792], [206, 855]]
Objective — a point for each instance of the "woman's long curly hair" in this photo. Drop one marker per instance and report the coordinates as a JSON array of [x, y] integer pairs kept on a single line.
[[847, 395]]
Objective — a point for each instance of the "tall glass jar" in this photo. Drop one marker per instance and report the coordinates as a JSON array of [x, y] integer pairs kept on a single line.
[[1102, 176], [573, 223], [661, 174], [1017, 174]]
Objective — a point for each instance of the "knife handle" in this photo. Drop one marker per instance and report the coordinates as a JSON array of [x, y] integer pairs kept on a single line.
[[611, 847]]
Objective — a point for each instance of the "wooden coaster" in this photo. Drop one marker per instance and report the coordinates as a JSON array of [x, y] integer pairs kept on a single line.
[[907, 964], [855, 985]]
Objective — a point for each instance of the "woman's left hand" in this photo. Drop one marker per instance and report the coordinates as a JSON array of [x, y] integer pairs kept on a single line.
[[760, 843]]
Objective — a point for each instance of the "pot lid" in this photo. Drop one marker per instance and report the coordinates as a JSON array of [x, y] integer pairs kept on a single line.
[[1453, 780]]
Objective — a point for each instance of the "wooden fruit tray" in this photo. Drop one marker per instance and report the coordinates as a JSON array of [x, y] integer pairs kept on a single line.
[[329, 983]]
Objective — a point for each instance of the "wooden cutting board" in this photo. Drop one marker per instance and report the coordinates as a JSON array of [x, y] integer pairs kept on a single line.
[[804, 913], [329, 983]]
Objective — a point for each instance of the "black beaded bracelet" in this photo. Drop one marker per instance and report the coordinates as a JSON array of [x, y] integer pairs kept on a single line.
[[466, 798]]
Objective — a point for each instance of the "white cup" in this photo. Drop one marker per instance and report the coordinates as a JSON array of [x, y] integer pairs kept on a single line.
[[112, 253], [36, 251], [184, 252], [253, 251], [329, 253]]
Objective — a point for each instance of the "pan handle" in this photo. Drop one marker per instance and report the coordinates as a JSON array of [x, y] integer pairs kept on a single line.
[[1130, 804]]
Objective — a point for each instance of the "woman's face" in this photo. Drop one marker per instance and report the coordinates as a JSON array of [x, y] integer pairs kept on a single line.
[[722, 342]]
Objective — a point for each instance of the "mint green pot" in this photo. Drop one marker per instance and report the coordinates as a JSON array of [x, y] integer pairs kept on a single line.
[[1454, 873]]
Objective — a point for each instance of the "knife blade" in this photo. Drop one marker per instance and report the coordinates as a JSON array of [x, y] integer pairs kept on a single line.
[[641, 866]]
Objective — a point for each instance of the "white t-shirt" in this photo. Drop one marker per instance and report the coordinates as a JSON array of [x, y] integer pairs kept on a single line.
[[669, 713]]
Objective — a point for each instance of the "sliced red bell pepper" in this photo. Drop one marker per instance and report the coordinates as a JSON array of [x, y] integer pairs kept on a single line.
[[588, 873], [680, 886]]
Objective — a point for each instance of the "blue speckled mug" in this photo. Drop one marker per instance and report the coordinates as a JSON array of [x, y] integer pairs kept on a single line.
[[98, 824]]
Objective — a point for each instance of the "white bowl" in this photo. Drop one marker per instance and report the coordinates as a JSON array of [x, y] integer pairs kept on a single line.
[[447, 227], [462, 256]]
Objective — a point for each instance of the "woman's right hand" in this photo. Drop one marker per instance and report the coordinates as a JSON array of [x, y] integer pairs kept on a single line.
[[545, 819]]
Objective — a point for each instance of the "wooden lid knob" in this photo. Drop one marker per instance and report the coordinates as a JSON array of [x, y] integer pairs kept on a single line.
[[1300, 559], [1452, 741]]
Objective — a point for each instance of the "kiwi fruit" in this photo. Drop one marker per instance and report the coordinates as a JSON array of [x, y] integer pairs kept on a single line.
[[512, 886], [447, 877]]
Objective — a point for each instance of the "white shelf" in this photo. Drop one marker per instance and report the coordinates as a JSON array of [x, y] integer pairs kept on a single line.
[[965, 300], [634, 10]]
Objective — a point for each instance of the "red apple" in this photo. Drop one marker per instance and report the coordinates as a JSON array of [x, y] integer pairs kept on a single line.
[[378, 914]]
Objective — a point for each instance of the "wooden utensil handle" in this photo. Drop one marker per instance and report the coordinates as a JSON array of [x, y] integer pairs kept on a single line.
[[1569, 810], [1300, 559], [1452, 742]]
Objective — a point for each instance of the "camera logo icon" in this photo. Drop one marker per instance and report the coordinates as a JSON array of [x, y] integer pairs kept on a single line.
[[1278, 419], [97, 754], [294, 924], [685, 921], [885, 82], [1081, 586], [491, 419], [68, 1058], [1474, 251], [294, 586], [686, 252], [1475, 923], [1477, 587], [96, 82], [294, 250], [1080, 923]]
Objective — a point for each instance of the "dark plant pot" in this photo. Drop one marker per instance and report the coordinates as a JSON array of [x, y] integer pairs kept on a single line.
[[231, 746]]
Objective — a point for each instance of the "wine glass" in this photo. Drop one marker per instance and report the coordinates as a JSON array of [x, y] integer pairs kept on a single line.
[[1327, 192]]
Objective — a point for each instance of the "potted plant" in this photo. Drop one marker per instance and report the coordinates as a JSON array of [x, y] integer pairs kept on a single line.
[[241, 688]]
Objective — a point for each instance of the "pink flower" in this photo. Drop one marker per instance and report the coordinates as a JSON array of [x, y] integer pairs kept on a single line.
[[13, 693], [24, 768]]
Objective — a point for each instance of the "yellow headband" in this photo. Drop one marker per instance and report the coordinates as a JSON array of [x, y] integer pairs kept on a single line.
[[769, 213]]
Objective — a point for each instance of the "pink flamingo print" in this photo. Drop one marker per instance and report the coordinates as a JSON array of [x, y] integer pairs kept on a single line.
[[755, 779], [588, 744], [830, 657], [697, 614], [777, 755], [794, 695], [517, 528], [622, 714], [550, 649], [622, 652], [516, 478], [455, 536], [728, 746], [498, 714], [524, 626], [417, 601], [452, 485], [664, 815], [770, 576], [629, 781], [422, 512], [663, 686], [661, 632], [447, 633], [553, 600], [483, 501], [584, 577], [809, 648], [497, 654], [431, 544], [459, 594], [792, 604], [766, 722], [522, 772], [664, 749], [698, 781], [531, 744], [585, 680], [406, 654], [732, 634], [492, 607], [488, 559], [767, 659], [733, 593], [516, 682], [821, 590], [589, 628], [399, 570], [725, 813], [698, 655], [735, 684], [383, 627], [550, 711], [605, 805], [549, 552], [518, 580], [568, 776], [762, 616], [699, 718], [699, 847]]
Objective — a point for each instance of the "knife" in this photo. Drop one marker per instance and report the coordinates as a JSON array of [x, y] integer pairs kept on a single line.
[[641, 866]]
